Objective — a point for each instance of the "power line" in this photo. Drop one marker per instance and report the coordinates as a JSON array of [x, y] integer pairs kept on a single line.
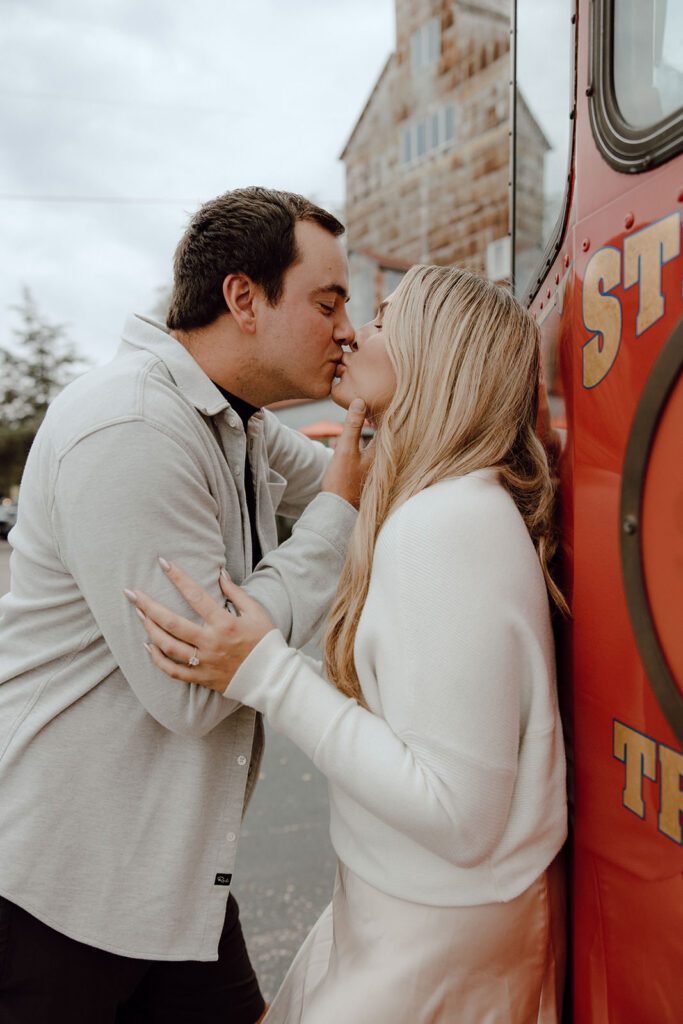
[[7, 197], [48, 97]]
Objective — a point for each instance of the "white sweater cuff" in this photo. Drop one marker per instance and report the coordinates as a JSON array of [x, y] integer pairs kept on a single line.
[[276, 680]]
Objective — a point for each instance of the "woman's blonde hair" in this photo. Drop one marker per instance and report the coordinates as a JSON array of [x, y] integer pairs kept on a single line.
[[467, 363]]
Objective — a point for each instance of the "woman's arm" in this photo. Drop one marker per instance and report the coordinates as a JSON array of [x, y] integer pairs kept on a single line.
[[442, 768]]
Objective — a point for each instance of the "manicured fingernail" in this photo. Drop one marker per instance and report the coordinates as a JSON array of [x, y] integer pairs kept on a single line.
[[225, 576], [140, 614], [164, 564], [130, 594], [148, 647]]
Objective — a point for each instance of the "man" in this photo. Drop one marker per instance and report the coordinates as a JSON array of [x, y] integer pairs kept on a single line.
[[122, 795]]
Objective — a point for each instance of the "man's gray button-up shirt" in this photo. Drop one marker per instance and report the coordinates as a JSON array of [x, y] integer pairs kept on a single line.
[[119, 785]]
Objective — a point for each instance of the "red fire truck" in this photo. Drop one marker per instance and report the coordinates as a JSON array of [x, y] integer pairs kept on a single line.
[[605, 288]]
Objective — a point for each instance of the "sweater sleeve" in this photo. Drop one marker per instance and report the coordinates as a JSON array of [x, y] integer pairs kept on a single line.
[[439, 763]]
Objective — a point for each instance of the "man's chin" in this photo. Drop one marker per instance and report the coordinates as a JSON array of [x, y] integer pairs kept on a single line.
[[317, 392]]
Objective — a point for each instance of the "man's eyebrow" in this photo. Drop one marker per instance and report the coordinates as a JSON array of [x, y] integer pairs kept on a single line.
[[338, 289]]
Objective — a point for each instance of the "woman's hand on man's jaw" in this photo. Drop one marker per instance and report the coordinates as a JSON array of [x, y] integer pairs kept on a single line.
[[350, 463]]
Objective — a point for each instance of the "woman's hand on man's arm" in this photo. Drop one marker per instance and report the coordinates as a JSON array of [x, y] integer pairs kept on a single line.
[[208, 654]]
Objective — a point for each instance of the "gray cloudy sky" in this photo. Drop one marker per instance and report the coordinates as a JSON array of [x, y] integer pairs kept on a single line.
[[171, 101], [103, 102]]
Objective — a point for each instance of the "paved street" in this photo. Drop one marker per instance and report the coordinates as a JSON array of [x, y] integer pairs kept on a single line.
[[285, 867]]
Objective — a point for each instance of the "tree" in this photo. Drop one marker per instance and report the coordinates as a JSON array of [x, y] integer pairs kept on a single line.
[[30, 377], [37, 371]]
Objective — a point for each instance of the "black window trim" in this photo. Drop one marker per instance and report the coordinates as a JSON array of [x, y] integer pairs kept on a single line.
[[654, 397], [625, 148]]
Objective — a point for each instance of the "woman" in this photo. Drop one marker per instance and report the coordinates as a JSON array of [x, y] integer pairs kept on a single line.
[[438, 729]]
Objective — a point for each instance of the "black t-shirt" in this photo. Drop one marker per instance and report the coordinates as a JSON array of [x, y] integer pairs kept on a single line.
[[245, 412]]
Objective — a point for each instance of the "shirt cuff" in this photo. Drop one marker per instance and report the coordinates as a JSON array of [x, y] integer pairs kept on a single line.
[[331, 517]]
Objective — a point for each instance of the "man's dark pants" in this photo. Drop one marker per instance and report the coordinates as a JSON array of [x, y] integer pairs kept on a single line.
[[48, 978]]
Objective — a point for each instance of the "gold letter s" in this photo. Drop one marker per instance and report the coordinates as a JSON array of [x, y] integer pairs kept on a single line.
[[601, 313]]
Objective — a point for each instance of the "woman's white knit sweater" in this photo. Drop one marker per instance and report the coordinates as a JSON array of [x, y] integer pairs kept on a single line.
[[451, 789]]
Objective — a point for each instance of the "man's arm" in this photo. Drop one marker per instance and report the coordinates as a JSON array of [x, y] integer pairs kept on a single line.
[[123, 496], [301, 461], [131, 492], [297, 581], [306, 568]]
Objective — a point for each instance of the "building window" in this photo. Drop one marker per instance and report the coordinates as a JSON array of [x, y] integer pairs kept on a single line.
[[433, 132], [434, 140], [421, 138], [425, 45], [449, 123]]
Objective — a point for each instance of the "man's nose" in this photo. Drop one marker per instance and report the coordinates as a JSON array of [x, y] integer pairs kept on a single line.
[[344, 333]]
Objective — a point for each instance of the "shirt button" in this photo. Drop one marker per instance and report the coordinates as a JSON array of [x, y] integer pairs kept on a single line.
[[231, 837], [237, 470], [241, 759]]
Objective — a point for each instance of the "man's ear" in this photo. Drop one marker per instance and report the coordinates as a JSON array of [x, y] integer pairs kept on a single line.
[[239, 292]]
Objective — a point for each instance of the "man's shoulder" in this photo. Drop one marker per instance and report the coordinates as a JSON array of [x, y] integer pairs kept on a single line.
[[135, 386]]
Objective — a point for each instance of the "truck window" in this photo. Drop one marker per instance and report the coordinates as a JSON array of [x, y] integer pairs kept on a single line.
[[648, 60], [543, 132]]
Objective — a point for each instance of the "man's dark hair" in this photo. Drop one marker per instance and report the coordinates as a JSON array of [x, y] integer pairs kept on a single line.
[[247, 231]]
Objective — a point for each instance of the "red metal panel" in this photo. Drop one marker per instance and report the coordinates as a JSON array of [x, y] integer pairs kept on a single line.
[[603, 328], [662, 531]]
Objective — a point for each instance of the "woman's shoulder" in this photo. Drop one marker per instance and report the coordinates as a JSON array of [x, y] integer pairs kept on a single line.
[[461, 501], [466, 520]]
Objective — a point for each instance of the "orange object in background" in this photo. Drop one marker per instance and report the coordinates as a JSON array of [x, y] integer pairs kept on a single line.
[[322, 429]]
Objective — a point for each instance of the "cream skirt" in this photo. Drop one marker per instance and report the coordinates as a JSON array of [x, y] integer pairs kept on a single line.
[[376, 959]]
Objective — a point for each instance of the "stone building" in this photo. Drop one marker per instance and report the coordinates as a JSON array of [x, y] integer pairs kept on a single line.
[[428, 162]]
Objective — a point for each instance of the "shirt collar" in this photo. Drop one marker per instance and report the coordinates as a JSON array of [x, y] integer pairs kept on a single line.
[[243, 409], [190, 379]]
